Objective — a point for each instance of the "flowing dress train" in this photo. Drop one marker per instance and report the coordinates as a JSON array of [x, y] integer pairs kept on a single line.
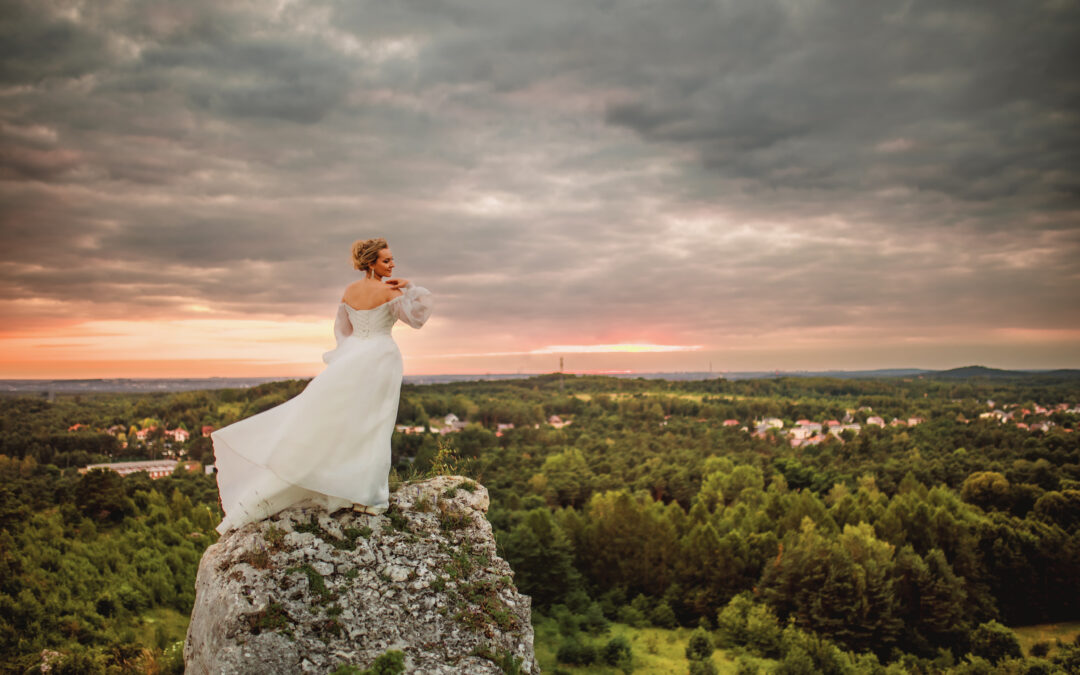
[[330, 444]]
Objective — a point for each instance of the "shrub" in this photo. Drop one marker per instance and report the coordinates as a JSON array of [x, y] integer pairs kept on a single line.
[[700, 646], [574, 652], [975, 665], [569, 624], [731, 620], [616, 651], [390, 663], [663, 616], [796, 662], [594, 620], [702, 668], [631, 616], [995, 642], [1039, 667], [763, 631], [800, 647], [1068, 657]]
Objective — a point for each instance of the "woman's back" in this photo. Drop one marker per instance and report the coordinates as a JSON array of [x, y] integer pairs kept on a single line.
[[368, 294]]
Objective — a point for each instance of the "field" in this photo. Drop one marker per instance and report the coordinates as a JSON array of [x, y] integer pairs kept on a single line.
[[656, 651], [1066, 632], [161, 627]]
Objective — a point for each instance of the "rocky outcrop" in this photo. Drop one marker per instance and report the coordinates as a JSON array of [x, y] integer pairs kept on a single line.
[[309, 592]]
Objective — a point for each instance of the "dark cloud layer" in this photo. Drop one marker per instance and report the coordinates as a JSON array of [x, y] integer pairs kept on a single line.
[[720, 169]]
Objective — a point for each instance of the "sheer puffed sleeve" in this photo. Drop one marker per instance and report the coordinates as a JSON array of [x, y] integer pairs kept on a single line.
[[342, 329], [413, 306]]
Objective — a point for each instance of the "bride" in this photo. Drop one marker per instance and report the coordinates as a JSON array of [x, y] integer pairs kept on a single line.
[[330, 444]]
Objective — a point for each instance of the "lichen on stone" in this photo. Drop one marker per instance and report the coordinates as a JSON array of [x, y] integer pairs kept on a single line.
[[306, 591]]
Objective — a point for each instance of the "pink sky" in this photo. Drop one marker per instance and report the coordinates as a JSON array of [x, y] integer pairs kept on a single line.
[[292, 348]]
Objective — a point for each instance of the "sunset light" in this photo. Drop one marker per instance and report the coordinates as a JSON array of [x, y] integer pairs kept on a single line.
[[613, 349]]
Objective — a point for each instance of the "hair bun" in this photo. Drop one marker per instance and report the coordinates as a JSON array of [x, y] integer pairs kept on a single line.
[[365, 252]]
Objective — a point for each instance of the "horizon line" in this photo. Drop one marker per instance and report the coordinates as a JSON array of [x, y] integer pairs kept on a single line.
[[718, 373]]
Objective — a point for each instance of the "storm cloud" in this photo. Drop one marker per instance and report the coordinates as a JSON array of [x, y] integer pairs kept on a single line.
[[697, 172]]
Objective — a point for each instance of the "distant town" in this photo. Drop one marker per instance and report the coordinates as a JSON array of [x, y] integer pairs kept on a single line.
[[802, 433]]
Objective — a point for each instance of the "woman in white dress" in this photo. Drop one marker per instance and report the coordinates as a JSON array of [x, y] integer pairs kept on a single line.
[[330, 444]]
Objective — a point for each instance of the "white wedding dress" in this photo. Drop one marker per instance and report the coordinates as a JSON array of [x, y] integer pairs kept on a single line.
[[330, 444]]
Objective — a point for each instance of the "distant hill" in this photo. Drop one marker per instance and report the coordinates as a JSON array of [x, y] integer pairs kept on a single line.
[[147, 385], [967, 372], [1060, 372]]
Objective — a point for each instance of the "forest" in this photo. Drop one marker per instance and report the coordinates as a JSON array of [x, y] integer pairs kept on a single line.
[[910, 546]]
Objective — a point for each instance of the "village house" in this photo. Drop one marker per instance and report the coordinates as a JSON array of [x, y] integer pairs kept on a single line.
[[451, 423], [157, 468], [803, 431], [999, 415], [764, 425], [799, 433], [142, 434], [557, 422], [207, 430], [816, 439], [837, 430]]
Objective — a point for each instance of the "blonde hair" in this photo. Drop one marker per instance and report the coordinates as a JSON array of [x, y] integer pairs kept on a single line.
[[365, 252]]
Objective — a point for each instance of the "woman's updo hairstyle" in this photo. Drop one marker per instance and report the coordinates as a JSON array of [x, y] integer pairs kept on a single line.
[[365, 252]]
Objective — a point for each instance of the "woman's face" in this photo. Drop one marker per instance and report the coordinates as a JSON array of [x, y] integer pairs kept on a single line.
[[384, 266]]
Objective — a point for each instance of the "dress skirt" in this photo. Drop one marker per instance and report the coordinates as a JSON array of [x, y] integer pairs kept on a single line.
[[328, 445]]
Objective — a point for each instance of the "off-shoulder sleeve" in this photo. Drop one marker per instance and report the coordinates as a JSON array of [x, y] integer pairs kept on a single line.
[[413, 306], [342, 329]]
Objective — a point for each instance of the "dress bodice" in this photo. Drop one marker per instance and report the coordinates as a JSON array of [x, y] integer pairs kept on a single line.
[[373, 322], [413, 307]]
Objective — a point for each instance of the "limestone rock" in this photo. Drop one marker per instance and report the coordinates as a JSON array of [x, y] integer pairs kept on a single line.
[[306, 591]]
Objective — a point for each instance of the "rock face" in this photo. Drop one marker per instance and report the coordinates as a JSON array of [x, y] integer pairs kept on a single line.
[[307, 592]]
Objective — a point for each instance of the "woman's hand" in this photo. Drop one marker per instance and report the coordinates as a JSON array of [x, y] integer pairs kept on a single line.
[[397, 284]]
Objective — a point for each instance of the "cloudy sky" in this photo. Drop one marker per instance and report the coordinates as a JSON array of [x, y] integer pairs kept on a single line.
[[628, 184]]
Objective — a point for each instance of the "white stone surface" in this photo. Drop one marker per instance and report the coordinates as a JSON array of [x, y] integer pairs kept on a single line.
[[256, 612]]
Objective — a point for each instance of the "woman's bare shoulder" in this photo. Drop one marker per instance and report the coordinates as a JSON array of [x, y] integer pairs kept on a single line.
[[365, 295], [350, 290]]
